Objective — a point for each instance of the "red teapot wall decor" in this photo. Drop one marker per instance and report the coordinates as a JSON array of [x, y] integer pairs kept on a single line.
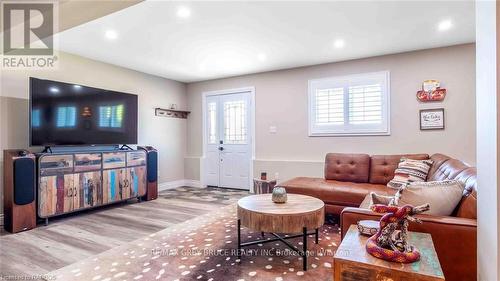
[[431, 91]]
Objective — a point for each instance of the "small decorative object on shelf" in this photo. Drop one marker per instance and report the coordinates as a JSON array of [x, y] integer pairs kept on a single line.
[[431, 91], [263, 176], [279, 195], [391, 243], [368, 227], [171, 113]]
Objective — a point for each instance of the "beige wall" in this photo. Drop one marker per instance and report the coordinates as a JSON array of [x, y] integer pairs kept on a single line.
[[281, 101], [168, 135]]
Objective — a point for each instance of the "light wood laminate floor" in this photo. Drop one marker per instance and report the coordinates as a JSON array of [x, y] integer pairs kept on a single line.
[[75, 237]]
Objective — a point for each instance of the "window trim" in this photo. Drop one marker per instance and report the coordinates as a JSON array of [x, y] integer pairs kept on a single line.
[[335, 80]]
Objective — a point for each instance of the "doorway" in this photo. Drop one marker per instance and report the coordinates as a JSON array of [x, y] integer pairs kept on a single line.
[[228, 138]]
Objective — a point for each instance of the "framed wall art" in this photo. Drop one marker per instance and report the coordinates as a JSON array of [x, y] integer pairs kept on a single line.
[[432, 119]]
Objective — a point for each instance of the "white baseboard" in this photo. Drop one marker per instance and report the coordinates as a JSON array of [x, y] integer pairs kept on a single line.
[[193, 183], [178, 183]]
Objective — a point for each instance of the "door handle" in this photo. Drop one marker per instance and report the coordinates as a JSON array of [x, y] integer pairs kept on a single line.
[[221, 148]]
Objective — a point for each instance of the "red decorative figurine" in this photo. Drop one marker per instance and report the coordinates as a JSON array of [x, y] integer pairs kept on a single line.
[[389, 243]]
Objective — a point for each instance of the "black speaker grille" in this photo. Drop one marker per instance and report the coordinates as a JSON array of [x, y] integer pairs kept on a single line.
[[24, 181], [152, 166]]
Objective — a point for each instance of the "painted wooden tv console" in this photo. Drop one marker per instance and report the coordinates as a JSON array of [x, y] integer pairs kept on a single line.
[[71, 182]]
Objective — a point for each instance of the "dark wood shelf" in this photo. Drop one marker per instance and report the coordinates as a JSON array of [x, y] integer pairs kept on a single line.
[[172, 113]]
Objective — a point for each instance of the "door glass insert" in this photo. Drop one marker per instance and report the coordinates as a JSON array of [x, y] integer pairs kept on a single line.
[[235, 123], [212, 123]]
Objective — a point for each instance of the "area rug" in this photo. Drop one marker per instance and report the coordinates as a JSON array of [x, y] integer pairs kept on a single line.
[[204, 248]]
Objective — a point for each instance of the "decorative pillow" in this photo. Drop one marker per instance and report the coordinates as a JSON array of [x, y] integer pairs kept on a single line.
[[443, 196], [410, 170]]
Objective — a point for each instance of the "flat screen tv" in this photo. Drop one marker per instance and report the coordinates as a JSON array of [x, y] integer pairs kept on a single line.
[[71, 114]]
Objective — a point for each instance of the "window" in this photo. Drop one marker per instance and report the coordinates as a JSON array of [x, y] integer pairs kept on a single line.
[[235, 128], [66, 117], [212, 123], [111, 116], [350, 105]]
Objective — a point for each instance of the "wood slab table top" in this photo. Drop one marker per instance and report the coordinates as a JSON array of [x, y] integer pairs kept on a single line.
[[352, 262], [260, 213]]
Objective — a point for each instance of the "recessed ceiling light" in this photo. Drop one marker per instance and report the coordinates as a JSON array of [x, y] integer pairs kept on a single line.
[[445, 25], [54, 90], [111, 34], [262, 57], [183, 12], [339, 43]]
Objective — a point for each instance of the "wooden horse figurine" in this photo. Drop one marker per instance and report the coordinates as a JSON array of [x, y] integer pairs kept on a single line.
[[390, 244]]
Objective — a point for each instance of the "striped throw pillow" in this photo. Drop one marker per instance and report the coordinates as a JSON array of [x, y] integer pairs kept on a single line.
[[410, 170]]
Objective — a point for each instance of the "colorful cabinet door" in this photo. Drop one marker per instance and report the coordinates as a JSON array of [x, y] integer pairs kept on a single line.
[[69, 193], [116, 184], [47, 196], [56, 195], [137, 176], [90, 187]]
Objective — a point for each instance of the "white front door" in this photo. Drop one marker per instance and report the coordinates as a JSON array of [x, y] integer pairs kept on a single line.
[[228, 149]]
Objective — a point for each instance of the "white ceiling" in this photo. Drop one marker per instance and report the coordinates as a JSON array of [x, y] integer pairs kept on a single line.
[[222, 39]]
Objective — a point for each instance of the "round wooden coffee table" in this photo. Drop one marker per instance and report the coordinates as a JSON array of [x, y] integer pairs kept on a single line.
[[298, 215]]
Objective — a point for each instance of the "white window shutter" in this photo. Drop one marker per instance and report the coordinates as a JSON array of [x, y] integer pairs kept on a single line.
[[350, 105]]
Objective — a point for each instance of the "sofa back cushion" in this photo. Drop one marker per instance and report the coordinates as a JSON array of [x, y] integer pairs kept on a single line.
[[382, 167], [447, 170], [347, 167], [437, 160]]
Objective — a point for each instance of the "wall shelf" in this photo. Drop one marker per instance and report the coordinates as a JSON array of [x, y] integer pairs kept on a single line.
[[173, 113]]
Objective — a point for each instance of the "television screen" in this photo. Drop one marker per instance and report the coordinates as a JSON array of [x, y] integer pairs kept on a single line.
[[72, 114]]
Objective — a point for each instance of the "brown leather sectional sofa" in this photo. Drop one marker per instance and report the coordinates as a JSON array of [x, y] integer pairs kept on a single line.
[[350, 177]]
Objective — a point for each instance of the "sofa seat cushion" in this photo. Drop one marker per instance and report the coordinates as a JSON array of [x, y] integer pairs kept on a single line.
[[334, 192]]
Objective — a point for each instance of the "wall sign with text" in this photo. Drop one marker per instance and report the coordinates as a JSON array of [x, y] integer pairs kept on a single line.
[[432, 119]]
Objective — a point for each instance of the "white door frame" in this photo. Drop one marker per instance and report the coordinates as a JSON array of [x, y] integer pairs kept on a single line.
[[251, 90]]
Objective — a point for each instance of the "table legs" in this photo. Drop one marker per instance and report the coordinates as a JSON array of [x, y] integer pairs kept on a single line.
[[302, 253], [304, 248], [239, 239]]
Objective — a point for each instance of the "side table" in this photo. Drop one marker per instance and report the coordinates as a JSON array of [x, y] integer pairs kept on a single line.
[[353, 263]]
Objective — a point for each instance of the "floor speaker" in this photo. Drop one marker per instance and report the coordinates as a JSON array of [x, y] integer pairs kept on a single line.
[[19, 190], [152, 172]]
